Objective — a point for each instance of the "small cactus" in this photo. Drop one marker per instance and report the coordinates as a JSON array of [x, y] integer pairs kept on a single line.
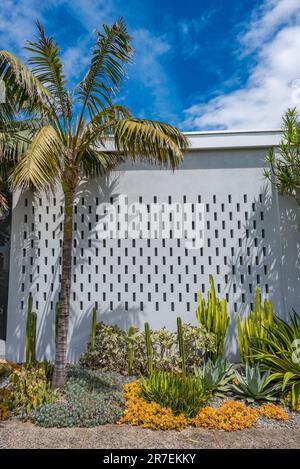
[[148, 348], [131, 333], [181, 345], [93, 329]]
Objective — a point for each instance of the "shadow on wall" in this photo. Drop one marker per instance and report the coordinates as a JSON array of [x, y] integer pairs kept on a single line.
[[80, 326], [289, 214], [28, 276], [267, 258]]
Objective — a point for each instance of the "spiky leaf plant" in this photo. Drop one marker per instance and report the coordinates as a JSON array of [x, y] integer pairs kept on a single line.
[[255, 385], [216, 376]]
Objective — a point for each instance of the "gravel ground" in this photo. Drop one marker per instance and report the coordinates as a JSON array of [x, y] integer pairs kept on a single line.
[[18, 435]]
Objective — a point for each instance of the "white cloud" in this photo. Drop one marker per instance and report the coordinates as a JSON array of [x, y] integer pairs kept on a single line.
[[272, 15], [273, 84], [17, 22]]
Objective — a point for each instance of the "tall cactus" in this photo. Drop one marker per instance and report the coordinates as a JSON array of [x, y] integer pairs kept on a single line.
[[93, 329], [131, 334], [33, 337], [148, 348], [214, 317], [30, 332], [181, 345], [255, 326]]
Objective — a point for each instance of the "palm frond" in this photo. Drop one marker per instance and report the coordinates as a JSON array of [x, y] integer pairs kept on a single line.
[[48, 69], [95, 163], [112, 50], [23, 89], [15, 137], [39, 167], [4, 204], [11, 148], [154, 141], [102, 126]]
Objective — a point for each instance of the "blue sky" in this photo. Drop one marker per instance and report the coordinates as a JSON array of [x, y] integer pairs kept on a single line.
[[199, 64]]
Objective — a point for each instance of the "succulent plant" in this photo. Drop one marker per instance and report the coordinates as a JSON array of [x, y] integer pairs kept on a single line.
[[114, 347], [92, 398], [181, 345], [184, 394], [255, 385], [214, 316], [216, 376], [255, 328]]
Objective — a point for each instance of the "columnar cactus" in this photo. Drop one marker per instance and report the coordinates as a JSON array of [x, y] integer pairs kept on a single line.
[[255, 326], [93, 329], [214, 317], [30, 333], [131, 334], [148, 348], [181, 345]]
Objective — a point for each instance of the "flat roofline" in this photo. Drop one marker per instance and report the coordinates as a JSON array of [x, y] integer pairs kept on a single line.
[[226, 139], [232, 132], [233, 139]]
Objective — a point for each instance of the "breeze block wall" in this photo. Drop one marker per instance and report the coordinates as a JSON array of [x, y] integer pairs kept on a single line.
[[250, 237]]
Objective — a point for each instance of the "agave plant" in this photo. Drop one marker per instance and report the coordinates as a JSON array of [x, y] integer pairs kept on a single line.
[[216, 376], [255, 385]]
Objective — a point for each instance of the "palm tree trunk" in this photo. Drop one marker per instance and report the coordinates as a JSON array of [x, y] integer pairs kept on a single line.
[[59, 375]]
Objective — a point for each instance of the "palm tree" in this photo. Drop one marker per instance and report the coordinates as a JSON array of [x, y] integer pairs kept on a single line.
[[23, 96], [71, 142]]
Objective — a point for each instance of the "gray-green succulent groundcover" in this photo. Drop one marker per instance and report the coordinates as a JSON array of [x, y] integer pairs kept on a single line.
[[91, 398]]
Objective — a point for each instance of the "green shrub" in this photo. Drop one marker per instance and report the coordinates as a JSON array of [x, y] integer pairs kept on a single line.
[[110, 351], [198, 344], [214, 317], [184, 394], [112, 347], [255, 385], [29, 388], [216, 376], [91, 398], [255, 327], [164, 351]]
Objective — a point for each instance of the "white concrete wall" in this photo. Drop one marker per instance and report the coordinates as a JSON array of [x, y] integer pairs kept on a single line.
[[143, 280]]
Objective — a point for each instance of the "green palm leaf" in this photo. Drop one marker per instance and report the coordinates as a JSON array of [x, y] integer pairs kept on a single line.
[[22, 87], [154, 141], [39, 167], [48, 69], [111, 51]]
